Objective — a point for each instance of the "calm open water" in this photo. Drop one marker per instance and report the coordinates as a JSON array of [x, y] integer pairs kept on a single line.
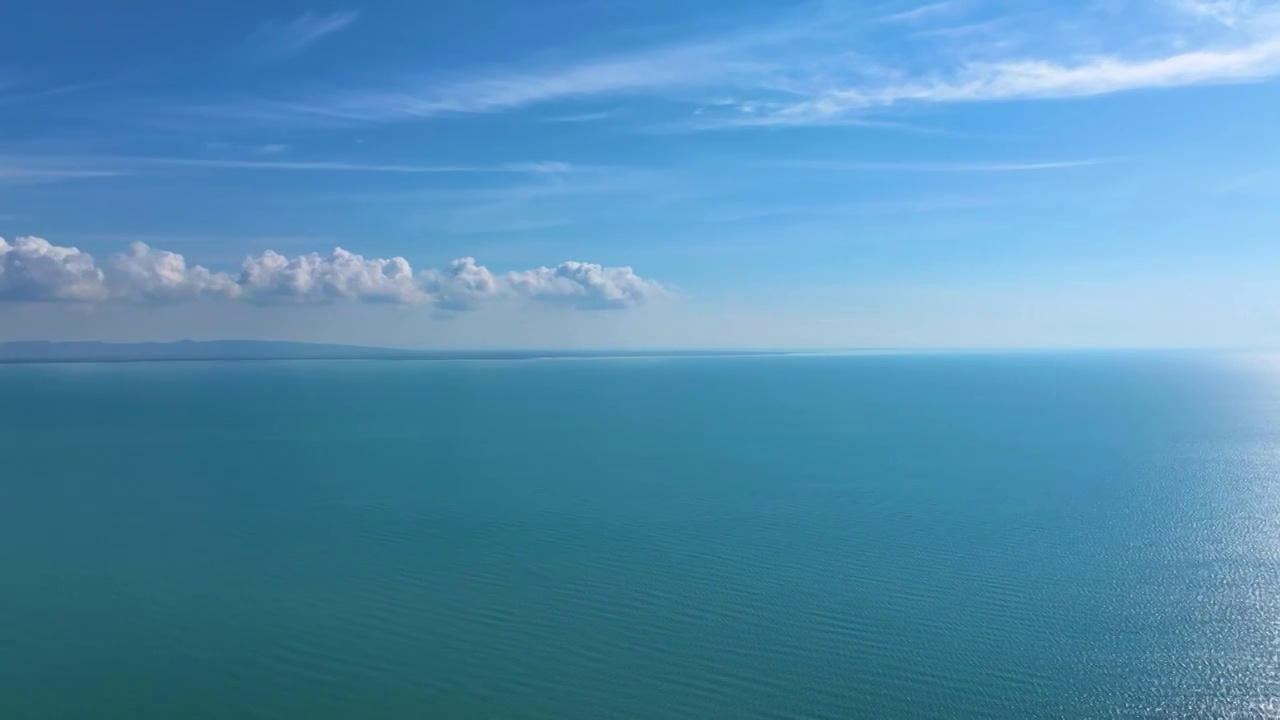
[[788, 537]]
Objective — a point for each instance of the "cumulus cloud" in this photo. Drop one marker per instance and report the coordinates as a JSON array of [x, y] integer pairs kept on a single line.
[[32, 268], [35, 270], [585, 286], [463, 285], [342, 275], [144, 273]]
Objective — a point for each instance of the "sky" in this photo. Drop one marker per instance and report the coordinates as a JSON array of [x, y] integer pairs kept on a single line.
[[628, 173]]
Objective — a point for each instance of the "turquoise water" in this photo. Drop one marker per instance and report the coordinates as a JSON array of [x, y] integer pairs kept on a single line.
[[789, 537]]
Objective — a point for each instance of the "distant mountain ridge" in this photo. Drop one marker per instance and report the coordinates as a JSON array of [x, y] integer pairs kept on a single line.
[[49, 351]]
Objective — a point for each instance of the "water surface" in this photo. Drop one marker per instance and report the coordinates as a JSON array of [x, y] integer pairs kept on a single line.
[[770, 537]]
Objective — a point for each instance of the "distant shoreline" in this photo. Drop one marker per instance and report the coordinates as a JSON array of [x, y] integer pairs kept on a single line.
[[51, 353], [39, 353]]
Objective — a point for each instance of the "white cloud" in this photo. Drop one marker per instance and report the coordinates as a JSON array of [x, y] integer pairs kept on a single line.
[[463, 285], [1232, 13], [144, 273], [1241, 44], [922, 12], [910, 167], [280, 40], [325, 166], [1094, 76], [20, 174], [488, 91], [824, 68], [314, 278], [35, 270], [53, 167], [584, 117], [585, 286]]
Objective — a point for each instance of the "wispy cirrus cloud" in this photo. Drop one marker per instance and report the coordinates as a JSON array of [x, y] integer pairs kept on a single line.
[[1036, 79], [845, 67], [963, 167], [329, 166], [922, 12], [1232, 13], [55, 166], [490, 91], [683, 68], [583, 117], [23, 175], [1201, 42], [279, 40], [18, 88]]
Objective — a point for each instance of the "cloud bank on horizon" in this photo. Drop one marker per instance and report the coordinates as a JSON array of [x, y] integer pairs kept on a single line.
[[34, 270]]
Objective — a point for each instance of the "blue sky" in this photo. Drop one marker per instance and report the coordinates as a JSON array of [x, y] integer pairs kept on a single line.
[[963, 173]]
